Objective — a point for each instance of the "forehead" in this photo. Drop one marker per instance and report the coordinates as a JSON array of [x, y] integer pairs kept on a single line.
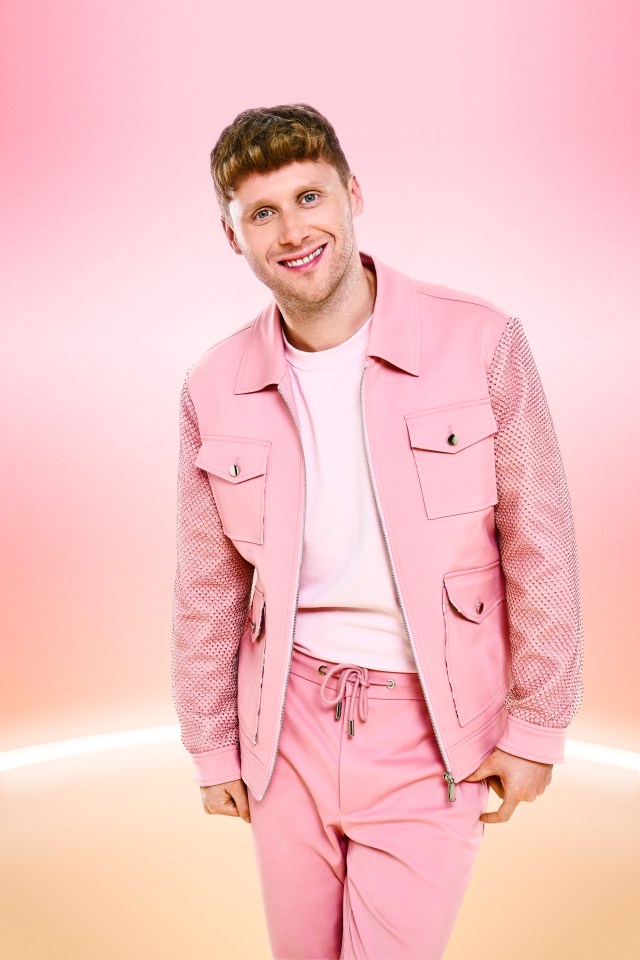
[[287, 180]]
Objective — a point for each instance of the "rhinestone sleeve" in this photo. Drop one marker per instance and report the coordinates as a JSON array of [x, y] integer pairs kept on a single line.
[[537, 542], [210, 602]]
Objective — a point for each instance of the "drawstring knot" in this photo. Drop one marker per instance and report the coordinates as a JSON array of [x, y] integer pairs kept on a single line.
[[360, 679]]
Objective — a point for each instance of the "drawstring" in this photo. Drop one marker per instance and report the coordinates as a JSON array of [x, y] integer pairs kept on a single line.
[[360, 677]]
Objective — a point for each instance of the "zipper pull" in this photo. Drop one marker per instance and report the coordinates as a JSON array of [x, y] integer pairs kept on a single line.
[[451, 784]]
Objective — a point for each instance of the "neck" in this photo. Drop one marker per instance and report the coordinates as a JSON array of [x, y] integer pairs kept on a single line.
[[336, 319]]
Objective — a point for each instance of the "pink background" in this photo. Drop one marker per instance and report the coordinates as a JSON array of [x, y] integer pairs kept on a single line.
[[498, 148]]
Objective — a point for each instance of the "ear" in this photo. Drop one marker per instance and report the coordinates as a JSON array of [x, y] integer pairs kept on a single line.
[[230, 235], [355, 195]]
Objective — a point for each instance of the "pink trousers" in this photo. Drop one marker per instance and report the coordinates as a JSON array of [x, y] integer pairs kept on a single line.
[[359, 854]]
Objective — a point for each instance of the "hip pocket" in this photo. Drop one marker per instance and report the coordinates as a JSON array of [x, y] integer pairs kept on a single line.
[[476, 639], [251, 660]]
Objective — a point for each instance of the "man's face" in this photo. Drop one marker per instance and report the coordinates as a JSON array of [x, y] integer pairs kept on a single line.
[[288, 213]]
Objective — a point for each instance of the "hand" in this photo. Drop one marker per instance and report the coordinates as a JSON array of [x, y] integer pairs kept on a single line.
[[513, 779], [229, 799]]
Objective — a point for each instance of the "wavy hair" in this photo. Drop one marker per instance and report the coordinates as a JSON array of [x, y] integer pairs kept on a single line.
[[263, 139]]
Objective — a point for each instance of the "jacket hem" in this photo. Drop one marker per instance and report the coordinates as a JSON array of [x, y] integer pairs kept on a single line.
[[467, 755]]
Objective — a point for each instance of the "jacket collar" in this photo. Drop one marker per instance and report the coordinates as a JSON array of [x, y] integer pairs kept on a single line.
[[394, 334]]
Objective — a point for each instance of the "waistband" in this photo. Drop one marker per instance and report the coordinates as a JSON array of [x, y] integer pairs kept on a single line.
[[364, 682]]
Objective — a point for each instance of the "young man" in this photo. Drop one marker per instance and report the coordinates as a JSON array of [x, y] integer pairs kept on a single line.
[[376, 603]]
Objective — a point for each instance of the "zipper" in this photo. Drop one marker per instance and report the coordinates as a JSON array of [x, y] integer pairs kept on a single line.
[[451, 786], [295, 608], [447, 775], [255, 731]]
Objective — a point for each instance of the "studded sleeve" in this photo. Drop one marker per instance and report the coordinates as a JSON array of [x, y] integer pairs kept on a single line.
[[539, 557], [211, 596]]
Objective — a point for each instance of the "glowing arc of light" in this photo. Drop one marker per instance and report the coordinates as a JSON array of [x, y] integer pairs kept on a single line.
[[118, 740], [79, 746]]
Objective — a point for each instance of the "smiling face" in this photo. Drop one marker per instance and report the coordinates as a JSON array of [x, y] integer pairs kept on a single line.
[[297, 210]]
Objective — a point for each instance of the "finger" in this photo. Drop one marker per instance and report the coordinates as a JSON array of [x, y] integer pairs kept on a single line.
[[216, 804], [212, 805], [492, 781], [496, 785], [242, 803], [502, 814]]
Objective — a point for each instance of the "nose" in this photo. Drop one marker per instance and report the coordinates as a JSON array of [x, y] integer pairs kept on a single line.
[[293, 229]]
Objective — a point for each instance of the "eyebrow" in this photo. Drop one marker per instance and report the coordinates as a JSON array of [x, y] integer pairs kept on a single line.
[[321, 184]]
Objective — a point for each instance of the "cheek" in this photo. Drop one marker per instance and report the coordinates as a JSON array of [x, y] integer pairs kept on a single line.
[[258, 260]]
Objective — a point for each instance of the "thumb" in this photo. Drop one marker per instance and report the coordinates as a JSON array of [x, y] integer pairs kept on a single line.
[[484, 770], [476, 775]]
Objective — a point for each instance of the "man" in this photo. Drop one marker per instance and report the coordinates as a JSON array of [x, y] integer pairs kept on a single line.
[[376, 603]]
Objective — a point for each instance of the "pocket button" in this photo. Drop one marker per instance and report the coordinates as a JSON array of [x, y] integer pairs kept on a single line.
[[479, 607]]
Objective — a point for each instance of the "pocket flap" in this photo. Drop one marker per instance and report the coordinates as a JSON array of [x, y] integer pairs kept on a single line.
[[451, 428], [233, 458], [255, 613], [475, 593]]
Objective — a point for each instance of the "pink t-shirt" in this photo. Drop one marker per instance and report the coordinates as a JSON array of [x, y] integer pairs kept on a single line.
[[347, 608]]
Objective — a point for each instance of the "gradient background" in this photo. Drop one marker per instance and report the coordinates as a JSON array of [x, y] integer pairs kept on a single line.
[[498, 148]]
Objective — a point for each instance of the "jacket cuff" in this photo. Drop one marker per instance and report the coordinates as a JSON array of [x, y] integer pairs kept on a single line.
[[217, 766], [532, 742]]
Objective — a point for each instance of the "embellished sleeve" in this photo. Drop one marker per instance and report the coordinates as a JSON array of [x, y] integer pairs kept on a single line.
[[539, 557], [210, 602]]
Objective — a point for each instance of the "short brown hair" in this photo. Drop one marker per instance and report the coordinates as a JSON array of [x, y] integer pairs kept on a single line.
[[263, 139]]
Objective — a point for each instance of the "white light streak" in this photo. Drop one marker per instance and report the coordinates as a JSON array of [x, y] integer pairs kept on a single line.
[[604, 756], [121, 739], [100, 743]]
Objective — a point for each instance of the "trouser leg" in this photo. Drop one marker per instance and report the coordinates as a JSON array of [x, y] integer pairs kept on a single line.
[[410, 853], [359, 854], [299, 844]]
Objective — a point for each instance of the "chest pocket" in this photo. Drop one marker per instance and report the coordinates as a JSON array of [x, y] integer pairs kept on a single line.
[[454, 456], [237, 468]]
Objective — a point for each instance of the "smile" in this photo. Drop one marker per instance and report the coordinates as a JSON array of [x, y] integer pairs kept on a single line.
[[303, 261]]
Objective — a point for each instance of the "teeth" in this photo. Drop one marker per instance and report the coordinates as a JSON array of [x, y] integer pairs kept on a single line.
[[296, 263]]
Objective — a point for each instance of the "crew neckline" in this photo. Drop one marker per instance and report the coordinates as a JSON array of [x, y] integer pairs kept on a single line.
[[351, 348]]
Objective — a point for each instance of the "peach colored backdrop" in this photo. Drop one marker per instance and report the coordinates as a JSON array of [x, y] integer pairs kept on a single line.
[[498, 147]]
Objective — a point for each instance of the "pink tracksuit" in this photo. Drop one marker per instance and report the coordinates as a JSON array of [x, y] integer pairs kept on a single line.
[[361, 809], [454, 629]]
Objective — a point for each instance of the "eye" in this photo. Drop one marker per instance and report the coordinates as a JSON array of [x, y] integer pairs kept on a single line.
[[258, 217], [312, 194]]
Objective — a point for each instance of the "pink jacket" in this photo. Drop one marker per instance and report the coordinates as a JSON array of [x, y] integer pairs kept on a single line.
[[475, 513]]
